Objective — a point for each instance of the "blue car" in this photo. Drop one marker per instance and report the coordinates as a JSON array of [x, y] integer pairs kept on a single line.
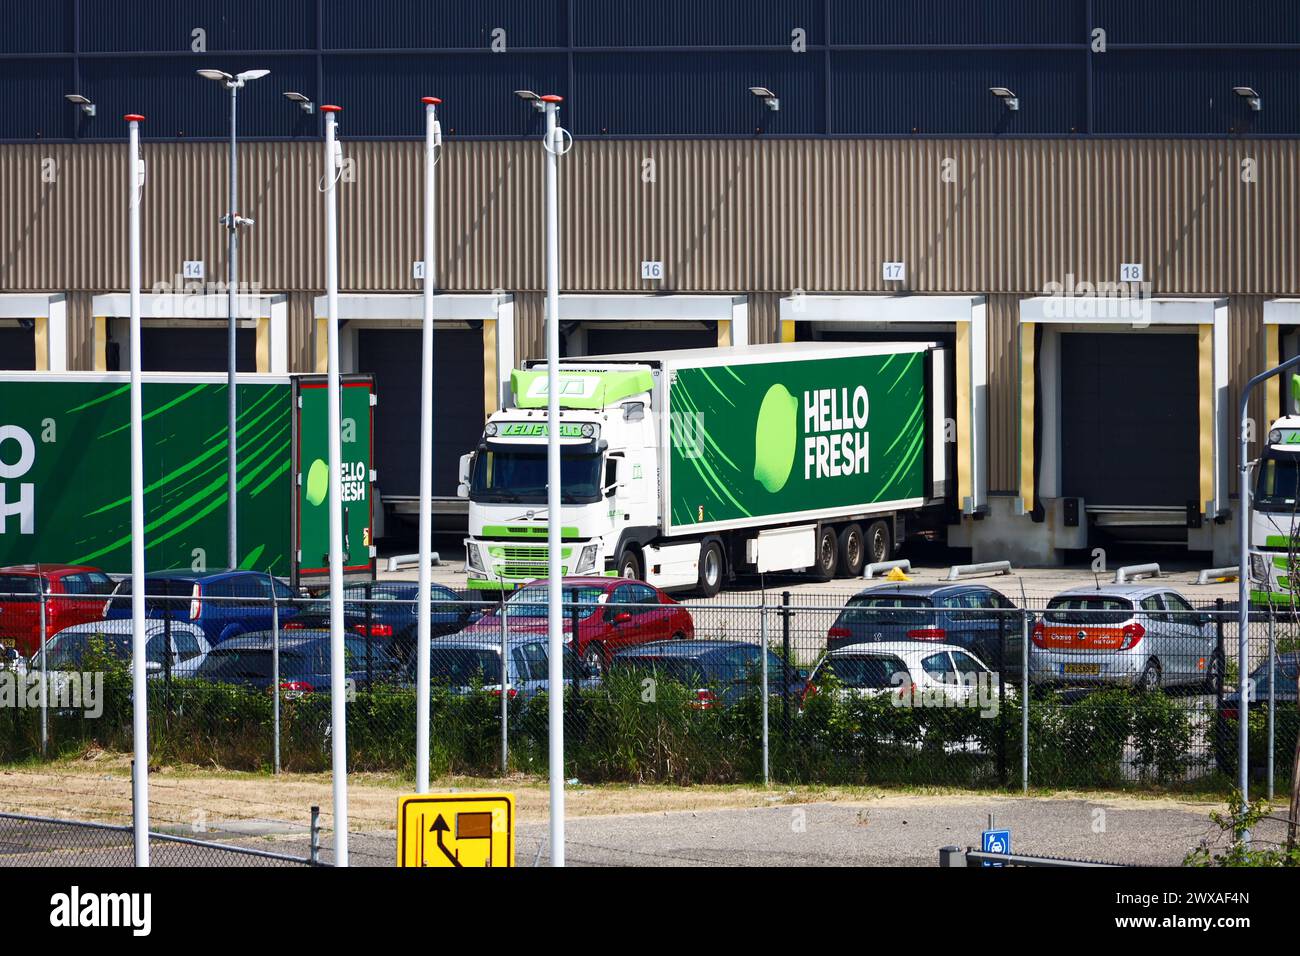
[[210, 600], [248, 661]]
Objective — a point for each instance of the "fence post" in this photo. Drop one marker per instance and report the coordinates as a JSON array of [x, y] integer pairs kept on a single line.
[[45, 674], [785, 665], [1245, 710], [275, 682], [1004, 625], [315, 835], [370, 614], [505, 693], [167, 665], [1219, 605], [1024, 700], [762, 657]]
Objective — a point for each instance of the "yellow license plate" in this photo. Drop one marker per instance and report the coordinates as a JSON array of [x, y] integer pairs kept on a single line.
[[1088, 670]]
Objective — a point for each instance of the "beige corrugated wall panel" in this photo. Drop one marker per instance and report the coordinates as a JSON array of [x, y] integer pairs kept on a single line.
[[530, 326], [1003, 320]]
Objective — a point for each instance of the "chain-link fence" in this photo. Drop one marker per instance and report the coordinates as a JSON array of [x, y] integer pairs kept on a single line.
[[1118, 687]]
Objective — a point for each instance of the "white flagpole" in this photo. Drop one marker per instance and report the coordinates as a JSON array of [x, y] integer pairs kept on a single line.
[[139, 688], [424, 608], [338, 708]]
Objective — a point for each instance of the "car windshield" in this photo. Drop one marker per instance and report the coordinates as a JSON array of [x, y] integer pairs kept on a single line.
[[67, 650], [462, 666], [869, 609], [252, 663], [519, 475], [1088, 609], [683, 670], [531, 602], [864, 672], [1275, 488]]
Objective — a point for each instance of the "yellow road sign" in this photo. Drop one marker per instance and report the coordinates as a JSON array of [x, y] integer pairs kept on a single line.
[[456, 829]]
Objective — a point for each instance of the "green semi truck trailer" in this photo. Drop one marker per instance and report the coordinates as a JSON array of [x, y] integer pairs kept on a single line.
[[687, 468], [65, 471]]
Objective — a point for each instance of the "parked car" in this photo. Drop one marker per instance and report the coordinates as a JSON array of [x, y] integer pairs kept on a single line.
[[247, 660], [974, 617], [68, 649], [460, 663], [75, 594], [1286, 671], [387, 611], [902, 668], [1139, 635], [613, 614], [222, 603], [720, 672]]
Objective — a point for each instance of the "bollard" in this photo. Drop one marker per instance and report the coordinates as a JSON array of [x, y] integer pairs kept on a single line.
[[315, 835]]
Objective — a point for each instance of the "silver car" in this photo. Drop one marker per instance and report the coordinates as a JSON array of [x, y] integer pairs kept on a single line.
[[1138, 635]]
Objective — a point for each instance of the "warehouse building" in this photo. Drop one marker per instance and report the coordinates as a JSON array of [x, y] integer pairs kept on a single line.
[[1089, 200]]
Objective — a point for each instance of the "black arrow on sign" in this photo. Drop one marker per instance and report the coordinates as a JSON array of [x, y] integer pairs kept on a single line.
[[440, 827]]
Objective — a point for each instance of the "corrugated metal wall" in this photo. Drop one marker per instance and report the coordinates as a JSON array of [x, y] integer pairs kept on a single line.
[[999, 217]]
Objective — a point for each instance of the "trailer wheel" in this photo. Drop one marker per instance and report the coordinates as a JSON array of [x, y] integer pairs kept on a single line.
[[629, 566], [879, 545], [710, 581], [826, 553], [853, 551]]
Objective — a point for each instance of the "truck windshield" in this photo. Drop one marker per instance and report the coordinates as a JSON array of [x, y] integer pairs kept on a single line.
[[519, 475], [1275, 489]]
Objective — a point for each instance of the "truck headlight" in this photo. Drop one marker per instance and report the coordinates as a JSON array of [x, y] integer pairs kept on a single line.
[[587, 560], [1259, 567], [490, 429], [472, 557], [590, 431], [1275, 437]]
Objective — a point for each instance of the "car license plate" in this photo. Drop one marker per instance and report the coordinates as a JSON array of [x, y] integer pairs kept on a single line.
[[1082, 670]]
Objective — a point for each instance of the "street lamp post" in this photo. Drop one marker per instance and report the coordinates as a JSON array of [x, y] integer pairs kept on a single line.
[[552, 144], [232, 221]]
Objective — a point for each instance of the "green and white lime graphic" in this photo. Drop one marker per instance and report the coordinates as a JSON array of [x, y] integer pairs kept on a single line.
[[318, 482], [776, 438]]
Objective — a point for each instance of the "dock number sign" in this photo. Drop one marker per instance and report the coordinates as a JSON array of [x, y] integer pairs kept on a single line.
[[456, 830]]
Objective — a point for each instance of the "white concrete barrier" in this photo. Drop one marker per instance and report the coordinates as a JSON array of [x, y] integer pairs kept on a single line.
[[879, 567], [1212, 575], [986, 567], [1129, 572], [401, 562]]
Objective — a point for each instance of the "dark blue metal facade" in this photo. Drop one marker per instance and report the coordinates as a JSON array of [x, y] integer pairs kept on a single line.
[[668, 68]]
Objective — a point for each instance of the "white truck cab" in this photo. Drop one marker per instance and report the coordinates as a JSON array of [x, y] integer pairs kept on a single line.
[[1275, 507]]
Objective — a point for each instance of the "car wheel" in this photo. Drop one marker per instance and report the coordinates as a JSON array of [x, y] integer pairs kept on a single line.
[[826, 554], [679, 636], [629, 566], [594, 658], [1213, 671], [710, 580], [1150, 678], [879, 542], [853, 551]]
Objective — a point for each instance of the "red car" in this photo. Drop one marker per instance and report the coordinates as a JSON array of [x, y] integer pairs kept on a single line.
[[613, 613], [75, 595]]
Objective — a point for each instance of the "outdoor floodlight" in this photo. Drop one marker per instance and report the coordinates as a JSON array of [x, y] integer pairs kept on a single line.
[[87, 108], [769, 98], [1006, 96], [304, 102], [1250, 96], [529, 96]]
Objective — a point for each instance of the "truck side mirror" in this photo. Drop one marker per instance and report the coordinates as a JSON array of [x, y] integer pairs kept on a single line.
[[466, 467]]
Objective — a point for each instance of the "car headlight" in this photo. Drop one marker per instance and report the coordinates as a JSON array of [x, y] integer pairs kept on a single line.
[[1259, 567], [587, 560]]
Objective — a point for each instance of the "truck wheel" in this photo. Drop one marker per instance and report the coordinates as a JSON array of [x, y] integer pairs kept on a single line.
[[710, 581], [853, 551], [879, 545], [629, 566], [827, 551]]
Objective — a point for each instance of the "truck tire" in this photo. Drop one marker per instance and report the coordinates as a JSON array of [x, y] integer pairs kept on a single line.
[[825, 554], [853, 551], [629, 565], [711, 569], [880, 545]]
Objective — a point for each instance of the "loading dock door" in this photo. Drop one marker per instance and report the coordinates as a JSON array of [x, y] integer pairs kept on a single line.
[[392, 356], [1129, 418], [616, 341], [17, 349], [189, 349]]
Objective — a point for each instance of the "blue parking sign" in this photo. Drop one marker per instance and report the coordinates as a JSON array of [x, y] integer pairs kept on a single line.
[[995, 841]]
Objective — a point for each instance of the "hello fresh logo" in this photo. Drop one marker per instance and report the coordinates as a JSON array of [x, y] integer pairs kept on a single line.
[[835, 440], [17, 499]]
